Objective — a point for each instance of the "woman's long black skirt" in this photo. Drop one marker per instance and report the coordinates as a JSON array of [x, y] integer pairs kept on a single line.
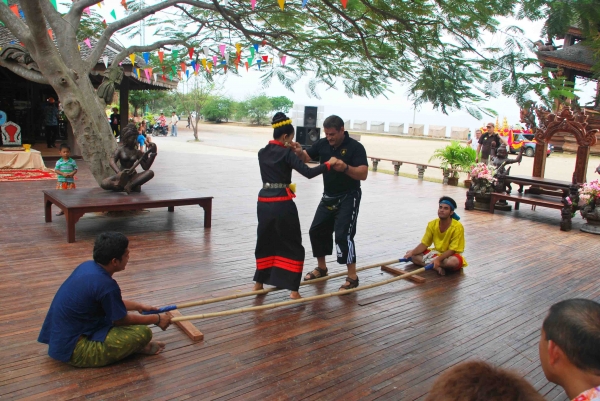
[[279, 251]]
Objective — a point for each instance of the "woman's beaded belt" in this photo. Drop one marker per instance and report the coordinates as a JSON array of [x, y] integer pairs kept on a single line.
[[268, 185], [289, 196]]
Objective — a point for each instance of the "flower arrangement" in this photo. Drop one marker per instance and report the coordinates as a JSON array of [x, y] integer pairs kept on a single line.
[[482, 176], [589, 195]]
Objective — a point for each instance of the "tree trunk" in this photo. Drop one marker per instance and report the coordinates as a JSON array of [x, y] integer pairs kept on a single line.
[[92, 131], [195, 126], [85, 111], [66, 72]]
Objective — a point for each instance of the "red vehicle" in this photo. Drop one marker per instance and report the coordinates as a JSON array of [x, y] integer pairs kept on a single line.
[[528, 142]]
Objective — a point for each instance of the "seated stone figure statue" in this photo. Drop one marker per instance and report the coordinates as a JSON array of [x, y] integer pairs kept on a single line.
[[129, 157], [499, 159]]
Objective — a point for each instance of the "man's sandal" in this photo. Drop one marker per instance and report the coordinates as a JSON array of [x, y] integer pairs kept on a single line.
[[350, 283], [316, 273]]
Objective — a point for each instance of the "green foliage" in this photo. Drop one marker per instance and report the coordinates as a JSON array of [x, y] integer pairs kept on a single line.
[[240, 110], [456, 157], [260, 104], [218, 109], [259, 107], [149, 117], [434, 46], [281, 103], [155, 100], [196, 98]]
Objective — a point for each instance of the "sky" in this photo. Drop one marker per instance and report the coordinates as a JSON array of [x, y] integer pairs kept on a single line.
[[395, 108]]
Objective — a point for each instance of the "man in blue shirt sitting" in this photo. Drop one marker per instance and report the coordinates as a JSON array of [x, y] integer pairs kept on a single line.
[[88, 324]]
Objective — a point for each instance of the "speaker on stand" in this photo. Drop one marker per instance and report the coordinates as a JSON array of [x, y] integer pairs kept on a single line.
[[310, 116], [306, 136], [308, 133]]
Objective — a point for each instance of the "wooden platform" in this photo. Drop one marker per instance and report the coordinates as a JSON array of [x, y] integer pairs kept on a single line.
[[388, 343], [76, 203]]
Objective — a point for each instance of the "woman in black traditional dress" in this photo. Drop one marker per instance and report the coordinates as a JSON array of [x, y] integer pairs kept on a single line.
[[279, 251]]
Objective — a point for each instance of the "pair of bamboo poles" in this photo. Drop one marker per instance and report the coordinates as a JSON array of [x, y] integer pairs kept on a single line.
[[285, 303]]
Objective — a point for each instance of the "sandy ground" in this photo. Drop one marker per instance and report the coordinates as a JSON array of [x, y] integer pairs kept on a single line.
[[244, 141]]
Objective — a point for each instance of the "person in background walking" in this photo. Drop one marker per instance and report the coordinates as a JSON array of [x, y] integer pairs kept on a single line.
[[51, 122], [174, 121], [115, 122]]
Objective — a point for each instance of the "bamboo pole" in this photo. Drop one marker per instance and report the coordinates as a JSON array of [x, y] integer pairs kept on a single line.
[[265, 291], [297, 301]]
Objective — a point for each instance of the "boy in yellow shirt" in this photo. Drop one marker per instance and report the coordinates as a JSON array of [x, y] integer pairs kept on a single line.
[[448, 238]]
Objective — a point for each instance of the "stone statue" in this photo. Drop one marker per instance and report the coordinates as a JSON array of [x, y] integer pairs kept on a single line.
[[129, 157], [112, 76], [499, 159]]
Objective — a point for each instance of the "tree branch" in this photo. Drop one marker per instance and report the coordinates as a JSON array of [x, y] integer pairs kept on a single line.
[[54, 18], [40, 41], [248, 34], [14, 24], [26, 73], [236, 24], [66, 36], [351, 21], [133, 18], [73, 17]]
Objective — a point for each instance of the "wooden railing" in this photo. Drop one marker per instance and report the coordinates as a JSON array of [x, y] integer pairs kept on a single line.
[[421, 167]]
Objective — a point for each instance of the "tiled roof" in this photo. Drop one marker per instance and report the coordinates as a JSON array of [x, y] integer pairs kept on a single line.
[[575, 54]]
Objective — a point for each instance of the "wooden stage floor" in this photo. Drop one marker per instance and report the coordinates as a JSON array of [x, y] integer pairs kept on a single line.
[[387, 343]]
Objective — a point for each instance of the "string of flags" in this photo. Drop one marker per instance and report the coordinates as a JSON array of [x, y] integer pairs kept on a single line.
[[209, 61]]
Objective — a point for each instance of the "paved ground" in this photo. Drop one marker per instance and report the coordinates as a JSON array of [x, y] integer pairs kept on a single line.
[[232, 138]]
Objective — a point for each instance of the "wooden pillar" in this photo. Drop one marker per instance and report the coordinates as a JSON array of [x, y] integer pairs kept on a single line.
[[124, 101], [539, 159], [581, 163]]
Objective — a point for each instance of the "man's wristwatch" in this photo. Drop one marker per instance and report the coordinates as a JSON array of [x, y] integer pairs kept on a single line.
[[347, 167]]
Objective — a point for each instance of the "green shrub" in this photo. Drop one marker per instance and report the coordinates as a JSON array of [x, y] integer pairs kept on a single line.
[[149, 117], [456, 157]]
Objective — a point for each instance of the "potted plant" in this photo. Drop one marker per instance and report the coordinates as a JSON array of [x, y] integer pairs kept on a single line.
[[455, 158], [589, 206]]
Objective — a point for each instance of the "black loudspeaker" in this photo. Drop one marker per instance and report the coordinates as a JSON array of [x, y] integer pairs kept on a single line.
[[310, 116], [306, 136]]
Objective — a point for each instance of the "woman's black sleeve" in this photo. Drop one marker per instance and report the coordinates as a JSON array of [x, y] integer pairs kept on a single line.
[[302, 168]]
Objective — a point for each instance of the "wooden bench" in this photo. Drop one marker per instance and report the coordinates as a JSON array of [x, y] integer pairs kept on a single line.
[[80, 201], [549, 201], [530, 199], [421, 167]]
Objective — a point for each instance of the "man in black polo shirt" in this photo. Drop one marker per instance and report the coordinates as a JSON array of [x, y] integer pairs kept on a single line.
[[485, 144], [338, 211]]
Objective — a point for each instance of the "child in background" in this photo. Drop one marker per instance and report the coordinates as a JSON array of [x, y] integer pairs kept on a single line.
[[65, 169], [141, 139]]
